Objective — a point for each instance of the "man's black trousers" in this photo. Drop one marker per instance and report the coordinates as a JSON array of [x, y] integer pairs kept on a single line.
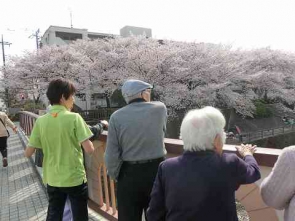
[[78, 196], [134, 187]]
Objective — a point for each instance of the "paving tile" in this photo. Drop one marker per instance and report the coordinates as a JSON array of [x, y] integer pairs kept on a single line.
[[22, 196]]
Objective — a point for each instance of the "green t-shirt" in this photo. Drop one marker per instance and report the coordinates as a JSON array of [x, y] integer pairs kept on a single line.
[[59, 134]]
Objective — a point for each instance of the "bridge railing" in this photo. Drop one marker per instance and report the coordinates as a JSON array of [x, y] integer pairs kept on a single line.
[[102, 189], [27, 121], [261, 134], [100, 114]]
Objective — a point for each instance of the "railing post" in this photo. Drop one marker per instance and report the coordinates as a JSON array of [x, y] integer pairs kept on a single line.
[[113, 197], [20, 120], [30, 125], [26, 124], [27, 121], [106, 188], [100, 192]]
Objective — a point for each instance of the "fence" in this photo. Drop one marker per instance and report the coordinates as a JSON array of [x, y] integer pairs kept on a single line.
[[99, 114], [261, 134]]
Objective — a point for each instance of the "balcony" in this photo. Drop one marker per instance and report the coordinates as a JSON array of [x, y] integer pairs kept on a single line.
[[102, 197]]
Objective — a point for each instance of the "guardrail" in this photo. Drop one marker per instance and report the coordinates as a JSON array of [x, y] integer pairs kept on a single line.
[[102, 189], [261, 134], [27, 121], [100, 114]]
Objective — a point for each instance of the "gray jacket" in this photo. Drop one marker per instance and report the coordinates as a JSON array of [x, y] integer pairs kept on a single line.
[[136, 132]]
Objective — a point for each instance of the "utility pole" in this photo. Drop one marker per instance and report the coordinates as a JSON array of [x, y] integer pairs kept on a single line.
[[3, 43], [3, 50], [36, 35], [71, 17]]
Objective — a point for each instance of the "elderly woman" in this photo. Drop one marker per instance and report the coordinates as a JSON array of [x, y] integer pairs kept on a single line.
[[201, 183], [278, 189]]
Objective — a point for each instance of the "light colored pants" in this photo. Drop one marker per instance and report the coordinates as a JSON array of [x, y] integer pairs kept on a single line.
[[68, 211]]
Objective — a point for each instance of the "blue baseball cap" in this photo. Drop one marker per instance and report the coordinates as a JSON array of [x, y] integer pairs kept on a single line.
[[133, 87]]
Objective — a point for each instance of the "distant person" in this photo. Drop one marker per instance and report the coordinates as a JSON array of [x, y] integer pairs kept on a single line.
[[4, 134], [286, 119], [278, 189], [135, 148], [48, 108], [60, 135], [201, 183], [230, 135]]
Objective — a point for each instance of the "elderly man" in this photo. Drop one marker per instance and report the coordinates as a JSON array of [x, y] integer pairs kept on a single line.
[[200, 184], [135, 148]]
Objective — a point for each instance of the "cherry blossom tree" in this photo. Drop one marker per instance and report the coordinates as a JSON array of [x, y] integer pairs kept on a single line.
[[185, 75]]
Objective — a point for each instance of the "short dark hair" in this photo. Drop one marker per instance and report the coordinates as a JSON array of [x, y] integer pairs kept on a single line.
[[58, 88]]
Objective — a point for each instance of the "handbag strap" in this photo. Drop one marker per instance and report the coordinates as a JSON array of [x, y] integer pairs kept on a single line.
[[2, 122], [5, 127]]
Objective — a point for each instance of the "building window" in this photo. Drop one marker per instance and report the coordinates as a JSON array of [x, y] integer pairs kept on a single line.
[[68, 36]]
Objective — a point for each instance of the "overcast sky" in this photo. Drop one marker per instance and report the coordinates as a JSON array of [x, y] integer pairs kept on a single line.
[[246, 24]]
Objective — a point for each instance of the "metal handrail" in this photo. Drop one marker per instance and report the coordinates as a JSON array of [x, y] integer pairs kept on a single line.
[[261, 134]]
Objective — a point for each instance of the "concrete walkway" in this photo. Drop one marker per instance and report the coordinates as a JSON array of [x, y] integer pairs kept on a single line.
[[22, 195]]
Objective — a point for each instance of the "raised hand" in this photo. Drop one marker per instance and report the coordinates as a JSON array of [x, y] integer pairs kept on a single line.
[[246, 149]]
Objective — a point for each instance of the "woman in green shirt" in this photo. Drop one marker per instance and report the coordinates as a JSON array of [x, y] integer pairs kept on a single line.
[[60, 134]]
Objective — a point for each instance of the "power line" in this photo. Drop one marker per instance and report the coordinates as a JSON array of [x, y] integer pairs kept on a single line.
[[35, 34]]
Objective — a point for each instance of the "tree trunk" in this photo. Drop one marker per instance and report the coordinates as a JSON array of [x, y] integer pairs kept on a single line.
[[108, 102], [265, 96], [37, 99], [229, 119]]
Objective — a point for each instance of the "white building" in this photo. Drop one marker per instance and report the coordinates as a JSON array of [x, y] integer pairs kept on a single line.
[[131, 30], [56, 35]]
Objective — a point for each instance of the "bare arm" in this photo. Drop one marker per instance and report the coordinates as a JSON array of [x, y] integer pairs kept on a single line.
[[29, 151], [88, 146]]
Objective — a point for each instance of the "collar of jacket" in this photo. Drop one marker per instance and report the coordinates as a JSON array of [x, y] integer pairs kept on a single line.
[[57, 108], [137, 100], [199, 153]]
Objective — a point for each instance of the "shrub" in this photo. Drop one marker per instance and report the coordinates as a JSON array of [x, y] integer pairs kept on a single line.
[[14, 117], [262, 111]]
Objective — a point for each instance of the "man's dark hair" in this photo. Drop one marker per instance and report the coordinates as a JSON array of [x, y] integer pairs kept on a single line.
[[58, 88]]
